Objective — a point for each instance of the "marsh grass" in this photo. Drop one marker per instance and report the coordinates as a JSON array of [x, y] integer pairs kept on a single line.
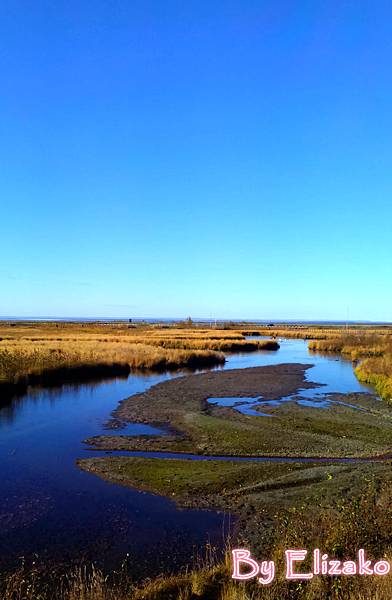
[[324, 332], [42, 353], [355, 346], [377, 372], [30, 363], [38, 352], [218, 344]]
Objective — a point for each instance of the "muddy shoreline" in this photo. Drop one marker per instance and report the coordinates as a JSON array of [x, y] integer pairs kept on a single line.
[[192, 425], [158, 405]]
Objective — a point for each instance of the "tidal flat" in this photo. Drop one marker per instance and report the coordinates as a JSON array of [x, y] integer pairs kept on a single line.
[[196, 426]]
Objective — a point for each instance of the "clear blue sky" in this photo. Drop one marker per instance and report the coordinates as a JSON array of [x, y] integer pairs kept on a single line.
[[175, 158]]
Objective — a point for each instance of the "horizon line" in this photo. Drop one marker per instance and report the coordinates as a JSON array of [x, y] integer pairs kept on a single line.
[[194, 319]]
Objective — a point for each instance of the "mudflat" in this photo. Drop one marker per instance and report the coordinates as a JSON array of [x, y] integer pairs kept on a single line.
[[181, 407]]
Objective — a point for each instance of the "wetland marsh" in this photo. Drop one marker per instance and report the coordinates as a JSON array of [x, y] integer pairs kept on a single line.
[[139, 505]]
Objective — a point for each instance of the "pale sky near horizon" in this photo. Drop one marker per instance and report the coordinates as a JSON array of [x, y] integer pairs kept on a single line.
[[227, 159]]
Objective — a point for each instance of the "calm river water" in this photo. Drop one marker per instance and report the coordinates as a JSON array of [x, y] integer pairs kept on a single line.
[[49, 507]]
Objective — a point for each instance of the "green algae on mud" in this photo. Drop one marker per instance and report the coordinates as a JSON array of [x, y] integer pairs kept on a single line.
[[202, 428], [190, 483], [226, 484]]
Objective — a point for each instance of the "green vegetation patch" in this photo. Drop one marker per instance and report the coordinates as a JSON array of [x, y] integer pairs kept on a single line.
[[190, 482]]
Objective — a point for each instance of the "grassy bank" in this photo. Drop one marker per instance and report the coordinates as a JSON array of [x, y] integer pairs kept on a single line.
[[378, 373], [46, 362]]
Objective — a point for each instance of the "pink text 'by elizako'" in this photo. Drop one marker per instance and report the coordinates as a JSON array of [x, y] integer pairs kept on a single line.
[[245, 567]]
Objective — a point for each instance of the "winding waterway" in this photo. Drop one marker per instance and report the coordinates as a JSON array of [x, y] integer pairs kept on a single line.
[[49, 507]]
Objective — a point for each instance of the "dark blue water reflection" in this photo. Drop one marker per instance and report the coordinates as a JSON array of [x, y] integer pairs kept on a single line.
[[49, 506]]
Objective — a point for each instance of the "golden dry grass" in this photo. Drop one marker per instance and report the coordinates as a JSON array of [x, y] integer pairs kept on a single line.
[[232, 344], [377, 372], [22, 359], [28, 349], [355, 345], [32, 330], [322, 332]]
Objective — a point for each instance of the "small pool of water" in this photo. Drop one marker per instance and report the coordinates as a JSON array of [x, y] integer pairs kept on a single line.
[[49, 506], [249, 406], [241, 404]]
